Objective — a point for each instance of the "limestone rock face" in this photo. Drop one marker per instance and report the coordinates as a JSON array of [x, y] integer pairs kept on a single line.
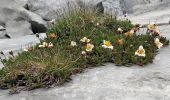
[[50, 9], [18, 21], [22, 2], [140, 6]]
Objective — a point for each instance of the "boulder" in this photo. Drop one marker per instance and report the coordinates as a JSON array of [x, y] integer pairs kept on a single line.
[[18, 21], [50, 9], [18, 28], [143, 6]]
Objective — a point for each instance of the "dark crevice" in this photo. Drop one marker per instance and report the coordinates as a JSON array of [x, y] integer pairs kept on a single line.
[[37, 28]]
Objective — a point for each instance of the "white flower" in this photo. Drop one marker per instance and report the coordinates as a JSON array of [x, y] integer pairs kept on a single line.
[[98, 24], [26, 50], [140, 51], [119, 30], [85, 39], [107, 44], [89, 47], [83, 52], [50, 45], [73, 43], [40, 46], [43, 45], [158, 43]]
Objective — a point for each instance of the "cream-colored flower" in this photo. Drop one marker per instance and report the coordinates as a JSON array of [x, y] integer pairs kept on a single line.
[[140, 51], [89, 47], [85, 39], [40, 46], [73, 43], [158, 43], [152, 26], [43, 45], [50, 45], [98, 24], [119, 29], [107, 44], [26, 50], [83, 52]]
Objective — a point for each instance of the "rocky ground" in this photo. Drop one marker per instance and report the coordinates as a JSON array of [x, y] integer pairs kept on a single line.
[[110, 82]]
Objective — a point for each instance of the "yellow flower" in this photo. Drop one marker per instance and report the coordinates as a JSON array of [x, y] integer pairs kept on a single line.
[[73, 43], [85, 39], [50, 45], [107, 44], [152, 26], [140, 51], [89, 47], [158, 43], [129, 33], [52, 36]]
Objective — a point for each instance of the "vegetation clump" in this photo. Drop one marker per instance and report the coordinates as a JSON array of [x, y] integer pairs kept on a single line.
[[79, 40]]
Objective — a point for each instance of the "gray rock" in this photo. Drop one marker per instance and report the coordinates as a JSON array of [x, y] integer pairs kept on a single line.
[[112, 7], [2, 28], [22, 2], [18, 28], [49, 9], [2, 34], [52, 8], [38, 25], [12, 15], [140, 6]]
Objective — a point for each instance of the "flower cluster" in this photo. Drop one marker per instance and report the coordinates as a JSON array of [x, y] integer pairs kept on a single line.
[[88, 46], [140, 52], [46, 45]]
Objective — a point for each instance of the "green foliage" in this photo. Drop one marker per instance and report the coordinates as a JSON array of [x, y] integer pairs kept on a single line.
[[43, 67]]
